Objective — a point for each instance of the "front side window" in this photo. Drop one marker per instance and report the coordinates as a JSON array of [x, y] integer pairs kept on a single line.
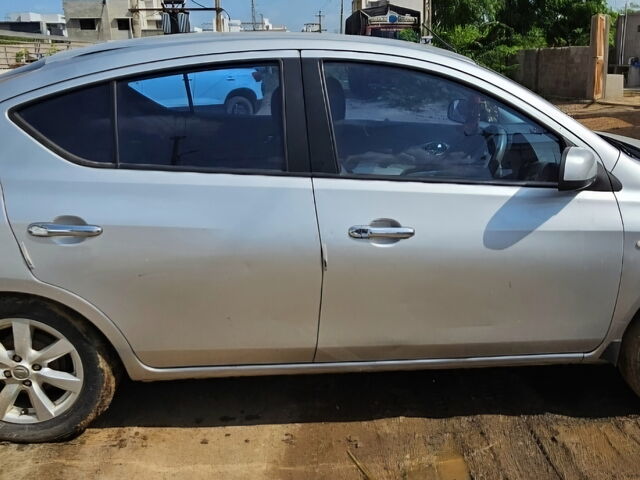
[[395, 122], [223, 118]]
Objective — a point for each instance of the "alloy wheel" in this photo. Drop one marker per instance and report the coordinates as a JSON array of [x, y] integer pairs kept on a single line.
[[40, 369]]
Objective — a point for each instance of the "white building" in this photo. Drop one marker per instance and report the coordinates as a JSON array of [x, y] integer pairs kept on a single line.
[[31, 22], [264, 25]]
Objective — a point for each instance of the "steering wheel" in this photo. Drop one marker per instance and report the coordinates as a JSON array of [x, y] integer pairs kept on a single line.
[[497, 142]]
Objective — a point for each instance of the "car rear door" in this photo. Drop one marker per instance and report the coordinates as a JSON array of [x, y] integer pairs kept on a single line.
[[435, 250], [193, 230]]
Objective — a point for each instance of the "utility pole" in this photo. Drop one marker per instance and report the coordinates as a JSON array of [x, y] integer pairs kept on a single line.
[[136, 27], [253, 14], [623, 37], [428, 17], [342, 16], [219, 25], [320, 17]]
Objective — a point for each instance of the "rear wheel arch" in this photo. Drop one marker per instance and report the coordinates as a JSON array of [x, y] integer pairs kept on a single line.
[[85, 325]]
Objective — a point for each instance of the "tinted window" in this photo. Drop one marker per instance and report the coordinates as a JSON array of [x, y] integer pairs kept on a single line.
[[223, 118], [391, 121], [79, 122]]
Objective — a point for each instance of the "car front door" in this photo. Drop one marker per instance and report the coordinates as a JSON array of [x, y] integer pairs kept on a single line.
[[209, 251], [443, 229]]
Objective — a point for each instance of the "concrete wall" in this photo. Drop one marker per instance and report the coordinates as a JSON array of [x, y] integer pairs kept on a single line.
[[627, 38], [554, 72]]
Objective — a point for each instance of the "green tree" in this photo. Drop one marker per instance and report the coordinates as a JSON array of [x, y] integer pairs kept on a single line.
[[448, 14], [409, 35], [491, 31], [564, 22]]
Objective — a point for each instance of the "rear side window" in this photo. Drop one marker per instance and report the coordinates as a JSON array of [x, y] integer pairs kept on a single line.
[[221, 119], [78, 122]]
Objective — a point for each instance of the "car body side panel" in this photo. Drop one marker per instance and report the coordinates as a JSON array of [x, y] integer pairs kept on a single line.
[[491, 270], [628, 171]]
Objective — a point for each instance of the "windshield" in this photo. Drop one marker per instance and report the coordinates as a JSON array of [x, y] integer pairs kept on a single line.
[[627, 148]]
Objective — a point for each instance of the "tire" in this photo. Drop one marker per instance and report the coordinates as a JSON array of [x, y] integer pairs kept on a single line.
[[239, 105], [629, 360], [85, 377]]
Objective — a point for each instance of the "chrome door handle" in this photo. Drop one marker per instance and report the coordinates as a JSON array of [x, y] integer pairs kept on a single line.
[[365, 231], [58, 230]]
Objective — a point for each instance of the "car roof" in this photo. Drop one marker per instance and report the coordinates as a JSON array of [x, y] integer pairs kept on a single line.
[[124, 53]]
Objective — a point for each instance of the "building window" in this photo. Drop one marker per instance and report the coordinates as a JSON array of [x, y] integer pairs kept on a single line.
[[123, 24], [88, 23]]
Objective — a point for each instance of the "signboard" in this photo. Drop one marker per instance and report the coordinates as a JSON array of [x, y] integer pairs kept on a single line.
[[393, 18]]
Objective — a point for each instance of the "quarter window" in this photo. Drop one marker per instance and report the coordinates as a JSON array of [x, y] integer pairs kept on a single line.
[[223, 118], [395, 122], [78, 122]]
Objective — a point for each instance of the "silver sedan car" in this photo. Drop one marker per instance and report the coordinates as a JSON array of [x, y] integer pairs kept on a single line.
[[387, 206]]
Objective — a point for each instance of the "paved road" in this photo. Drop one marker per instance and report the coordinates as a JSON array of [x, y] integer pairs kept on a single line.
[[571, 422]]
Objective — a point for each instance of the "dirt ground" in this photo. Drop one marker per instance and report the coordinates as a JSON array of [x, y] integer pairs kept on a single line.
[[620, 119], [570, 422], [567, 422]]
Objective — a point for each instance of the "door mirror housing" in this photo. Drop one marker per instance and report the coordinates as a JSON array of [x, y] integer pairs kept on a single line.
[[578, 169]]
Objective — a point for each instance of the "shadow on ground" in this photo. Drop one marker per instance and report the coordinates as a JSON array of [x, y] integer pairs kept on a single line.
[[573, 391]]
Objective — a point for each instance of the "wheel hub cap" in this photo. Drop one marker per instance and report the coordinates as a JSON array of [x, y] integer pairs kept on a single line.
[[20, 372]]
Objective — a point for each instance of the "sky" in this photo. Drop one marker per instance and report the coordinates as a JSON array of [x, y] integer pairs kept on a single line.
[[292, 13]]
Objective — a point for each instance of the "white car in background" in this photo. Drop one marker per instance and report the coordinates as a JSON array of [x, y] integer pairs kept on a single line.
[[237, 90]]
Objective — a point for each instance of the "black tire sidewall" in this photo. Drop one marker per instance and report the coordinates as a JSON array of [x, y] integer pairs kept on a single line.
[[237, 99]]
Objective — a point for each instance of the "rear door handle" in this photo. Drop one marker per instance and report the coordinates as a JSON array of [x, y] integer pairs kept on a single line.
[[365, 231], [59, 230]]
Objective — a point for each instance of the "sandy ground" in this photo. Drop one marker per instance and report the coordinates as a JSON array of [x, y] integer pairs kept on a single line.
[[577, 422]]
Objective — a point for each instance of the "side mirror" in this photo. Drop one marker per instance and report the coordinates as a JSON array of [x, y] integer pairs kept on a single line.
[[578, 169], [458, 111]]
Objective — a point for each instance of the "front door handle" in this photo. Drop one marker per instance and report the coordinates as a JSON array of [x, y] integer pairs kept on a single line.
[[59, 230], [366, 231]]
